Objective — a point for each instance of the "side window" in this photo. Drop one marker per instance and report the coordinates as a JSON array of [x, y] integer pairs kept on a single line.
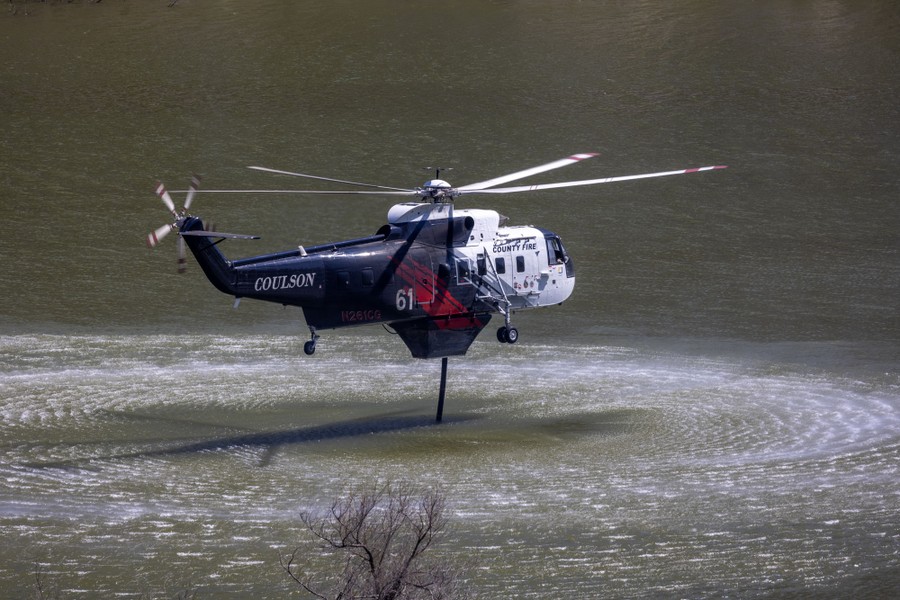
[[462, 269], [501, 265], [520, 264], [368, 277], [481, 265], [343, 279], [443, 271]]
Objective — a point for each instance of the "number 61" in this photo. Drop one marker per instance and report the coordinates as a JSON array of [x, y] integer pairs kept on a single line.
[[405, 299]]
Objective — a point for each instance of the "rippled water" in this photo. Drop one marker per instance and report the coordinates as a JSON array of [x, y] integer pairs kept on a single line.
[[627, 470]]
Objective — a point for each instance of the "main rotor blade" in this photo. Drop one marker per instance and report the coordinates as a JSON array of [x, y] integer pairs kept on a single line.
[[369, 192], [371, 185], [562, 184], [527, 172]]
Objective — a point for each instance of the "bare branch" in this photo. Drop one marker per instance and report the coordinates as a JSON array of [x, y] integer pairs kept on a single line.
[[382, 533], [288, 565]]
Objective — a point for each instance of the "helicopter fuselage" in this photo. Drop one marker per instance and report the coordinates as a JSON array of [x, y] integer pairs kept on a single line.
[[433, 274]]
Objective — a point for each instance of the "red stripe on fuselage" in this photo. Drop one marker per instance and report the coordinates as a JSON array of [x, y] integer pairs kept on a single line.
[[443, 303]]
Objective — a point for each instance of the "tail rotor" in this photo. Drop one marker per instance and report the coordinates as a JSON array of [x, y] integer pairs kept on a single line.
[[156, 236]]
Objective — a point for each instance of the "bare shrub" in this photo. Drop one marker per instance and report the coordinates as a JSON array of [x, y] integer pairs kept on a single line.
[[378, 539]]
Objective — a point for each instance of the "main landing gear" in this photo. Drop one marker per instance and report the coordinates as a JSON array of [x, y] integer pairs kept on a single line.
[[310, 346], [506, 334]]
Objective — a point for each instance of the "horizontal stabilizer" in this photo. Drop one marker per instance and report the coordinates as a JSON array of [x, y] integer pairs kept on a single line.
[[219, 234]]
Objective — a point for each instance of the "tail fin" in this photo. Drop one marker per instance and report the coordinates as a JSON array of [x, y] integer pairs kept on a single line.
[[214, 264]]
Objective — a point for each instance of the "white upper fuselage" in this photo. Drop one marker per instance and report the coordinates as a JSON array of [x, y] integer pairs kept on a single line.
[[521, 267]]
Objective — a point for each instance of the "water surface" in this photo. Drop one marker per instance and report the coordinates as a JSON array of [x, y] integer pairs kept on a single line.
[[714, 412]]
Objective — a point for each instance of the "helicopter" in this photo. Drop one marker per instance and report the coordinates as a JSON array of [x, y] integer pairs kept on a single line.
[[434, 275]]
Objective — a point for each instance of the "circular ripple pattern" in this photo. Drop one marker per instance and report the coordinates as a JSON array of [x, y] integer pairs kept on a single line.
[[635, 469]]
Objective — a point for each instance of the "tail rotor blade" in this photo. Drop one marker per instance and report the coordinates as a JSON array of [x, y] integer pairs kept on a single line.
[[154, 237], [195, 185], [182, 261], [166, 198]]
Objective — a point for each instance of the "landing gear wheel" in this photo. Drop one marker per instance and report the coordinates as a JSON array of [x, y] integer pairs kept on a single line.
[[310, 346], [507, 335]]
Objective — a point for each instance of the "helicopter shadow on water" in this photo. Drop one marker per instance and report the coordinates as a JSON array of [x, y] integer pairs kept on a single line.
[[457, 432], [269, 442]]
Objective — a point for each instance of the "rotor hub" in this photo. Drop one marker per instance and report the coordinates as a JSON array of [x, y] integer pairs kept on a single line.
[[437, 190]]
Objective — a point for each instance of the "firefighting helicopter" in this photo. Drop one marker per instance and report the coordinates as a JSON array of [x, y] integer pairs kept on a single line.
[[433, 274]]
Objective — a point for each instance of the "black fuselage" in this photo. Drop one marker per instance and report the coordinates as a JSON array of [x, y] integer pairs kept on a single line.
[[405, 276]]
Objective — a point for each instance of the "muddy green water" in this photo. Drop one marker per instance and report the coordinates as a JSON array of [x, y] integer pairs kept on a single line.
[[714, 413]]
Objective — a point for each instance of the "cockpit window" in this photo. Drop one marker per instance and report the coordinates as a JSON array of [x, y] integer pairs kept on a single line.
[[555, 253]]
